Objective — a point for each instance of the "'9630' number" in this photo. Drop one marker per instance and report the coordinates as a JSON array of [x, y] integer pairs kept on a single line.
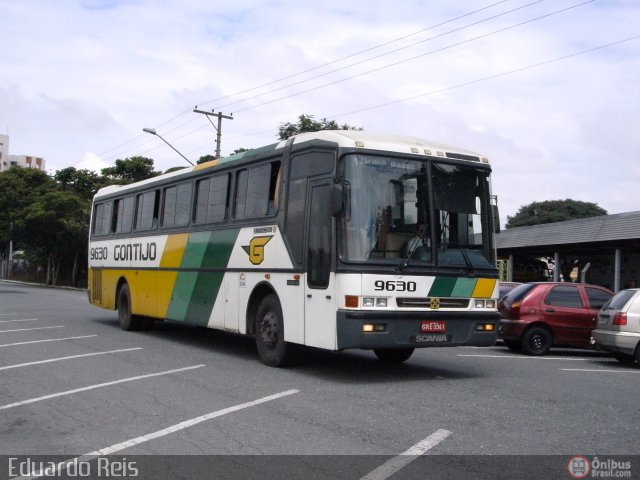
[[395, 286]]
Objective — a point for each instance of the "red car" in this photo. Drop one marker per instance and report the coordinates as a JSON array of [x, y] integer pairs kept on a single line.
[[536, 316]]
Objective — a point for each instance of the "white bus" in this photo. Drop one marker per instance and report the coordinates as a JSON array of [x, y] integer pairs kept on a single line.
[[333, 239]]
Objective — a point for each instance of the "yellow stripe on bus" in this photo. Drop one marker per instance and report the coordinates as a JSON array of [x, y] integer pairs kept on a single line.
[[166, 281], [484, 288]]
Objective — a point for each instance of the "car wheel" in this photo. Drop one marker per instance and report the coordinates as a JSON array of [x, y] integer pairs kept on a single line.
[[624, 358], [513, 345], [537, 341], [393, 355], [128, 321], [269, 328]]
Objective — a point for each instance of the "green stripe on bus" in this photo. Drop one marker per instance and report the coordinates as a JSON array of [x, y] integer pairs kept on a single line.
[[464, 287], [195, 292], [208, 284], [442, 287]]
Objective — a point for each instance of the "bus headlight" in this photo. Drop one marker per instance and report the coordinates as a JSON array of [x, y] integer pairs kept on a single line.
[[371, 302]]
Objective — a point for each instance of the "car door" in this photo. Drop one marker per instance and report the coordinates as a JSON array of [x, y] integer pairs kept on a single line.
[[565, 311]]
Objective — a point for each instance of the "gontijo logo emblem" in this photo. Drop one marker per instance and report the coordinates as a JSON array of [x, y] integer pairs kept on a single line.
[[255, 249]]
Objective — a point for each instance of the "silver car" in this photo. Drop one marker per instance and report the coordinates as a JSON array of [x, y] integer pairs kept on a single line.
[[618, 329]]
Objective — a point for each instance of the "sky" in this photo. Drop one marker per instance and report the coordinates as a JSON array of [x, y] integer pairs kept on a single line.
[[548, 90]]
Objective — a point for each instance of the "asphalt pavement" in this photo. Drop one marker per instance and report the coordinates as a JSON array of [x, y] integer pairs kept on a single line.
[[75, 387]]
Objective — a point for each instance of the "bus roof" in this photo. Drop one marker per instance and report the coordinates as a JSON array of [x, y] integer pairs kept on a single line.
[[343, 138], [381, 141]]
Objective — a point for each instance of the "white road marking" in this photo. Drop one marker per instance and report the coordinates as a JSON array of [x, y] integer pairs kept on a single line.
[[527, 357], [18, 365], [29, 329], [3, 314], [598, 370], [48, 340], [99, 385], [19, 320], [393, 465], [160, 433]]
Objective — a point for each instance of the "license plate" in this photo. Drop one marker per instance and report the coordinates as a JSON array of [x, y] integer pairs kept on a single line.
[[433, 326]]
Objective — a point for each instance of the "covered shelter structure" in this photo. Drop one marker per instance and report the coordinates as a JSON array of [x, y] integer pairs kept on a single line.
[[602, 250]]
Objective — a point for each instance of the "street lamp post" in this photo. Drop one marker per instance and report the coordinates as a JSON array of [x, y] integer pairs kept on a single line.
[[152, 131]]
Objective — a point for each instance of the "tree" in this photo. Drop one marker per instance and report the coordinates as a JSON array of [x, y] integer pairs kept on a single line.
[[85, 183], [130, 170], [551, 211], [306, 123], [18, 188], [55, 227]]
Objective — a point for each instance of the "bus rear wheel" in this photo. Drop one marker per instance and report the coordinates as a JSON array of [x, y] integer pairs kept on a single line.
[[127, 320], [393, 355], [269, 328]]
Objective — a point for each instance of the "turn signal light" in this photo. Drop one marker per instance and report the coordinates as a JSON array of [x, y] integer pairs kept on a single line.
[[485, 327], [351, 301]]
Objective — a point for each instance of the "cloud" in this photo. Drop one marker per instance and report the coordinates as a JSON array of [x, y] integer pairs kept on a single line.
[[80, 77]]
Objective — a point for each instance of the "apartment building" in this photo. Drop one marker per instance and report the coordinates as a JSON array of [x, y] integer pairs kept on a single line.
[[7, 161]]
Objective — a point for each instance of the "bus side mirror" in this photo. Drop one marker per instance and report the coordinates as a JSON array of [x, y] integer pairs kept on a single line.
[[496, 218]]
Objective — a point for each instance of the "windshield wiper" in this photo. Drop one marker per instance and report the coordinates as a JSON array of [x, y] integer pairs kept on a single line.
[[467, 261], [413, 245]]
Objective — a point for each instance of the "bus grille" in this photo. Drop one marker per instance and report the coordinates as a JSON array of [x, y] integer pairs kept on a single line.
[[426, 302]]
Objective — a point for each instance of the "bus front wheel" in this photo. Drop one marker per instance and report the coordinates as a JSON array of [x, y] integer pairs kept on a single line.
[[393, 355], [127, 320], [272, 348]]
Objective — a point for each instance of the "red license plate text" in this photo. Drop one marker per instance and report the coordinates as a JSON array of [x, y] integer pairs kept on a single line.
[[433, 326]]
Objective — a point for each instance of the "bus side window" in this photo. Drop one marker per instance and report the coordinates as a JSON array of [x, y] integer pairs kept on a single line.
[[122, 215], [255, 191], [211, 199], [102, 218], [148, 207], [177, 205]]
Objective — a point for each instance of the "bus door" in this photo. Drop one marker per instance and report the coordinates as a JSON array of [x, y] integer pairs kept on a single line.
[[320, 295]]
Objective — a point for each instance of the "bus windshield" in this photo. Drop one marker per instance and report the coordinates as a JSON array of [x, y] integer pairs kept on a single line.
[[409, 212]]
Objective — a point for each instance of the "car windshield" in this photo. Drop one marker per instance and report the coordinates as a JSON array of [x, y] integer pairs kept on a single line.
[[416, 211]]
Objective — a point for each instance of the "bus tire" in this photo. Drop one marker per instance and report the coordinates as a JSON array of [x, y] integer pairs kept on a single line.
[[269, 328], [393, 355], [127, 320]]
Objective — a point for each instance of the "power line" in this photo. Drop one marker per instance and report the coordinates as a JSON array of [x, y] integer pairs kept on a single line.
[[395, 63], [408, 59], [298, 74], [490, 77], [413, 58], [360, 62]]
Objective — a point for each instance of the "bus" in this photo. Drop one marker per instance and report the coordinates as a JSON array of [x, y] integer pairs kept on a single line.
[[334, 239]]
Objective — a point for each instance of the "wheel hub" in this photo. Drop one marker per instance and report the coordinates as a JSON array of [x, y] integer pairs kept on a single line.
[[269, 330]]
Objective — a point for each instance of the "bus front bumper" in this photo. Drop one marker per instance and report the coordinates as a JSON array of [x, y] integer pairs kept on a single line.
[[407, 329]]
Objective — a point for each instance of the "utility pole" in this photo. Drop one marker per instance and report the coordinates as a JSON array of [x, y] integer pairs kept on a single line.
[[218, 128]]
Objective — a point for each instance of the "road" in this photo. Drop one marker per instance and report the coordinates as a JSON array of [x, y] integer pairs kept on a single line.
[[72, 384]]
